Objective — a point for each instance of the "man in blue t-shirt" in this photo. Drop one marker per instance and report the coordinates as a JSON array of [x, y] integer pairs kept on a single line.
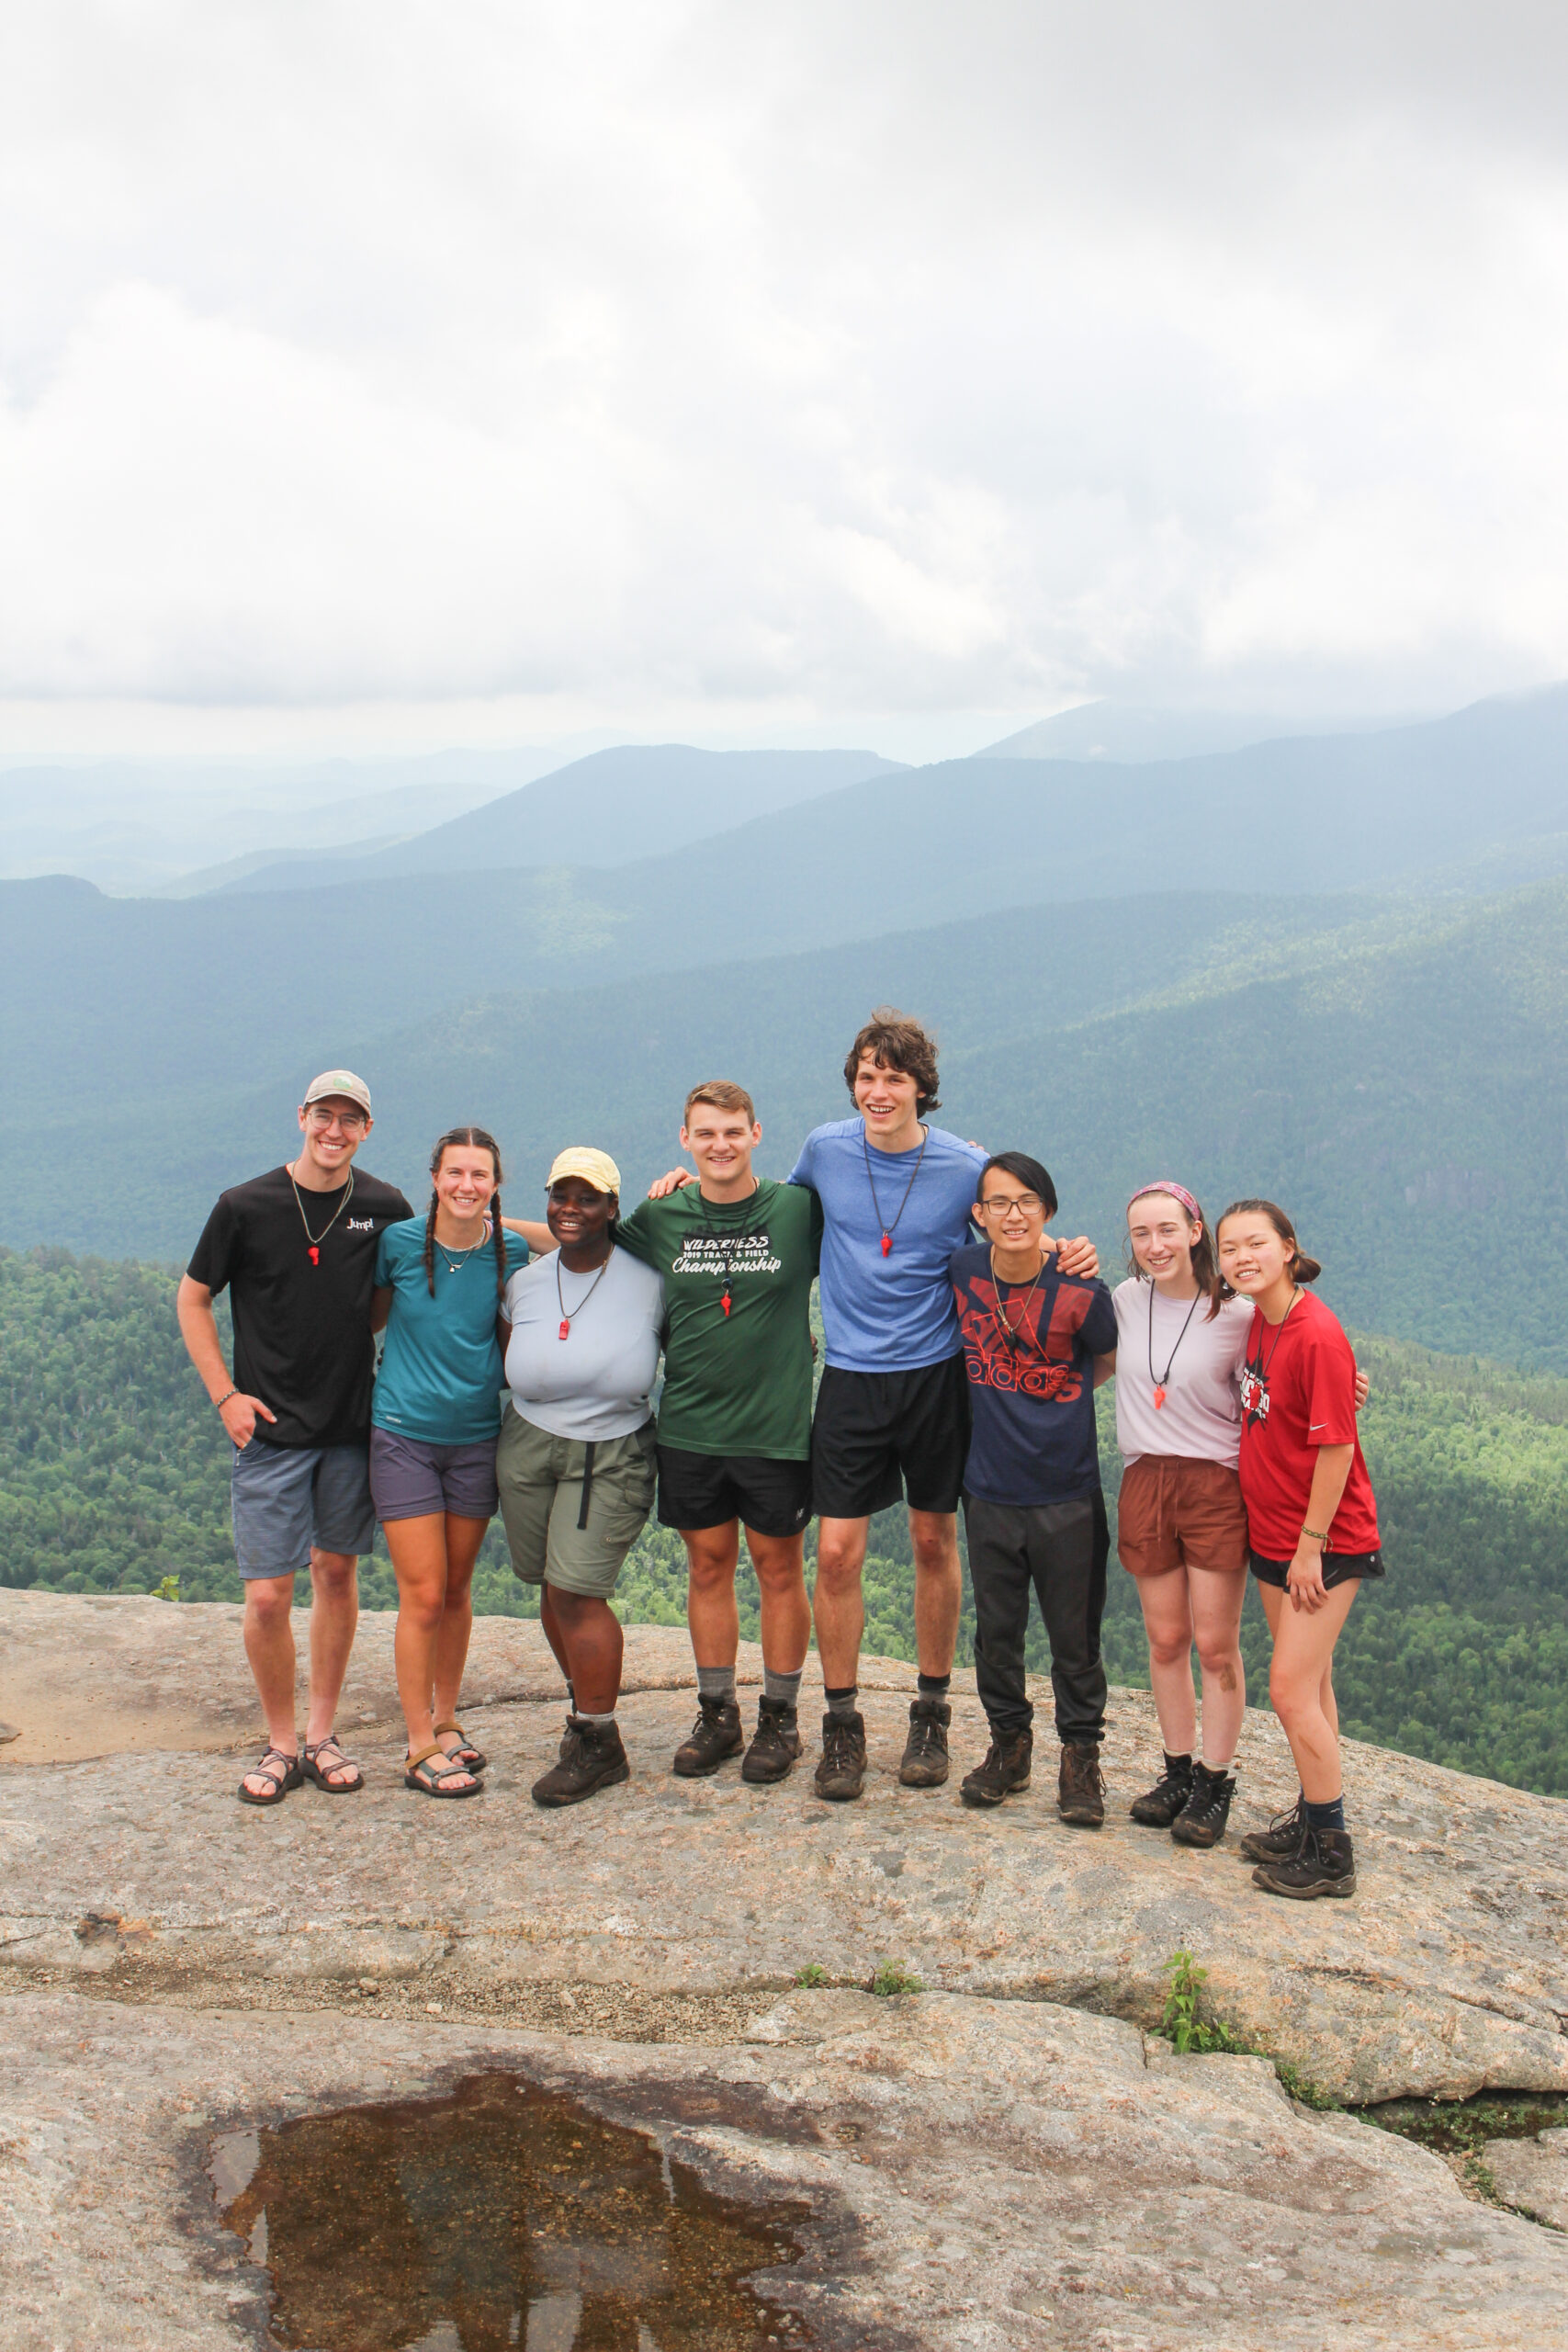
[[1034, 1511], [892, 1415]]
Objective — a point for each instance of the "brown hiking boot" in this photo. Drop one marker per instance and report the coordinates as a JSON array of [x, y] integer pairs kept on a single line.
[[1324, 1863], [592, 1757], [1158, 1807], [842, 1769], [776, 1744], [1080, 1792], [1280, 1840], [1005, 1770], [716, 1735], [925, 1764], [1201, 1821]]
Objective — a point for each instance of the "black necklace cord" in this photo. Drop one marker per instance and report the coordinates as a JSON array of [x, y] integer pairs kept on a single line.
[[1011, 1332], [1260, 1369], [721, 1242], [889, 1230], [1162, 1382]]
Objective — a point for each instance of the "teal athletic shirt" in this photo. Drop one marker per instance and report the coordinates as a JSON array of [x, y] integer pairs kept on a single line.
[[441, 1375]]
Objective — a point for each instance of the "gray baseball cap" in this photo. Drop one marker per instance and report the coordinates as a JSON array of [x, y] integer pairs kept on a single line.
[[339, 1081]]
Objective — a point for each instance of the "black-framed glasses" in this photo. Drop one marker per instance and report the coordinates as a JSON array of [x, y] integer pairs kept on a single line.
[[349, 1121], [1025, 1202]]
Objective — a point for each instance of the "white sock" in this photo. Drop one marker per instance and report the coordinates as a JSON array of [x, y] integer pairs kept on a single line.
[[1220, 1772]]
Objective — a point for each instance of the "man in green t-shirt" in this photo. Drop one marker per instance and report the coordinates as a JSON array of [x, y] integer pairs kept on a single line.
[[737, 1254]]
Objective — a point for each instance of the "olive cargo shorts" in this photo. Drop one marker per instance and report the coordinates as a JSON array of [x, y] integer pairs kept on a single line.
[[572, 1508]]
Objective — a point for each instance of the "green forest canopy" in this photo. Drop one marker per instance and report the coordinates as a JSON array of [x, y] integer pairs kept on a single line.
[[113, 1480]]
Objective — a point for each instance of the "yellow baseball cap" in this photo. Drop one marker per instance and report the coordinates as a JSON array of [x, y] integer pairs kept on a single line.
[[339, 1081], [595, 1168]]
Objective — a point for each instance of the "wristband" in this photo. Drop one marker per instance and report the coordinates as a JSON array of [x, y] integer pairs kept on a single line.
[[1317, 1536], [219, 1402]]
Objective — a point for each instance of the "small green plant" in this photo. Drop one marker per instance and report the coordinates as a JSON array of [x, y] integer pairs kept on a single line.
[[168, 1590], [890, 1979], [1297, 2087], [1183, 2024], [810, 1977]]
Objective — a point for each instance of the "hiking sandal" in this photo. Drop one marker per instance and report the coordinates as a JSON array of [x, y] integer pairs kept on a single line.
[[310, 1756], [472, 1758], [432, 1767], [279, 1784]]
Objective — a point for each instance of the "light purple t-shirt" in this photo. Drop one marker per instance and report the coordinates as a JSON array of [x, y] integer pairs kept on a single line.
[[1201, 1418]]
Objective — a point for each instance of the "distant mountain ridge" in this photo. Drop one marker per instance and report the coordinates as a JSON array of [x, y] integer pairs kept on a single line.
[[1131, 733]]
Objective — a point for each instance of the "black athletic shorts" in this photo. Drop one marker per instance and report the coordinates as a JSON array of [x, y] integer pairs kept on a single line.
[[1338, 1567], [878, 1436], [697, 1490]]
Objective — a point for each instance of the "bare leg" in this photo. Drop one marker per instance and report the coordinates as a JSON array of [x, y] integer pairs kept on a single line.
[[840, 1605], [464, 1537], [1168, 1620], [779, 1561], [334, 1613], [585, 1635], [418, 1547], [1304, 1646], [712, 1554], [270, 1645], [939, 1588], [1216, 1599]]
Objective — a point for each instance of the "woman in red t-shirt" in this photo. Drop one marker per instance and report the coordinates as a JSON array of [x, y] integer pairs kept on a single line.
[[1312, 1528]]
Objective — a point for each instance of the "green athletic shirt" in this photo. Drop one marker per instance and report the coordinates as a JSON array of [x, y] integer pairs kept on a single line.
[[738, 1383]]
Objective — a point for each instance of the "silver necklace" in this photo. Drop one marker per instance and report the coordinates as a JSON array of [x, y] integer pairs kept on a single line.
[[314, 1240], [566, 1319]]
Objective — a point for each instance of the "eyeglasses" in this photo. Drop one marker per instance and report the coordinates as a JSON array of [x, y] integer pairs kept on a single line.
[[351, 1122], [1026, 1204]]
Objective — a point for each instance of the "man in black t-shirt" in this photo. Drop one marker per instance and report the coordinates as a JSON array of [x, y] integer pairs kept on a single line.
[[295, 1249]]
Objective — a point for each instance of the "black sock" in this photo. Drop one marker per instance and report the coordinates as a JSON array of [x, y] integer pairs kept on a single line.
[[932, 1686], [843, 1702], [1326, 1817], [1178, 1764]]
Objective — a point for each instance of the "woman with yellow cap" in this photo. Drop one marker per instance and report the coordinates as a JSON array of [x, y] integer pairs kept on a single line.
[[576, 1462]]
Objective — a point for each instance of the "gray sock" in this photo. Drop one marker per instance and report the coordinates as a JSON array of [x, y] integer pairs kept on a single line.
[[843, 1702], [1218, 1771], [717, 1682], [786, 1687], [598, 1719]]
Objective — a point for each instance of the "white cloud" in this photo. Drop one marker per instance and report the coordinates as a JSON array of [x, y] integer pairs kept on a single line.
[[601, 366]]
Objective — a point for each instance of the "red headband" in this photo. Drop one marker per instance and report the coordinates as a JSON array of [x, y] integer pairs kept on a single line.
[[1176, 1191]]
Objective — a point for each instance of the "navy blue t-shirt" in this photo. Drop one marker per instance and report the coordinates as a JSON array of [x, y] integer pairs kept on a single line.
[[1032, 1395]]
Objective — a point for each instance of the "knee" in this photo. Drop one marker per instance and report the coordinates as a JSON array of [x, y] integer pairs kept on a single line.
[[709, 1572], [1221, 1665], [268, 1603], [1169, 1649], [1289, 1696], [838, 1567], [333, 1575]]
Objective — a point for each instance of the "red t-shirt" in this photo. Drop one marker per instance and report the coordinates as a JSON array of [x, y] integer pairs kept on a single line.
[[1298, 1392]]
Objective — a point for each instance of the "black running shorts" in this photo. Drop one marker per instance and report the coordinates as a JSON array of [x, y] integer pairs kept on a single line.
[[880, 1436], [1338, 1567], [698, 1490]]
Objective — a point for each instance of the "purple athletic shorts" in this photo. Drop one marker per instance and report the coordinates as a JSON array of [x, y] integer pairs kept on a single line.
[[413, 1479]]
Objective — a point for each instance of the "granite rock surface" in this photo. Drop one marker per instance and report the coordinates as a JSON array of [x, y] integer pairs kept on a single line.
[[1533, 2174], [1445, 1975], [976, 2172]]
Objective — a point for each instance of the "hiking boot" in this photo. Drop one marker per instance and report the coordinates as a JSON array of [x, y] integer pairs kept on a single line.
[[716, 1735], [1279, 1841], [1081, 1794], [1321, 1864], [592, 1757], [1005, 1770], [1201, 1821], [925, 1764], [841, 1767], [776, 1744], [1159, 1807]]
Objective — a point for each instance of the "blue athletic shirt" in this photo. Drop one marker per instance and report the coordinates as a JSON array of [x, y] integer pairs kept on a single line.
[[1031, 1396], [892, 1313], [441, 1373]]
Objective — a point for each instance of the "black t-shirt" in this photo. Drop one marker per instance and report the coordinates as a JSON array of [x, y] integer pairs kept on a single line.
[[302, 1307], [1029, 1349]]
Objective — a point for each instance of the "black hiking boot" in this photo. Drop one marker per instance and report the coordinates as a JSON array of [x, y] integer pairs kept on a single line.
[[1321, 1864], [592, 1757], [776, 1744], [841, 1767], [716, 1735], [1279, 1841], [1159, 1807], [1005, 1772], [1201, 1821], [1080, 1790], [925, 1764]]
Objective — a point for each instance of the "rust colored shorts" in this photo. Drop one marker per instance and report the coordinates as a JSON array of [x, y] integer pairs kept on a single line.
[[1176, 1512]]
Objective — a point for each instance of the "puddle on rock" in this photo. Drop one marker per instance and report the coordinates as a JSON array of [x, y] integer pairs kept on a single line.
[[500, 2216]]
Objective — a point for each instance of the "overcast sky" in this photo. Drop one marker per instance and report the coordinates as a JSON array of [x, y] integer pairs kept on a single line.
[[393, 373]]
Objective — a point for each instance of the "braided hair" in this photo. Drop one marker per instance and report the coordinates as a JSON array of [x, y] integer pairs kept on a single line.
[[482, 1141]]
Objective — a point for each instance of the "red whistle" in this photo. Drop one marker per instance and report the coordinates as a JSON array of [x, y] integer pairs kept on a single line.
[[1160, 1398], [315, 1256], [887, 1244], [565, 1330]]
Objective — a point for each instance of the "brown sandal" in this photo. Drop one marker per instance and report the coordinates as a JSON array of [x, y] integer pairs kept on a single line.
[[314, 1770], [279, 1784], [472, 1758], [427, 1775]]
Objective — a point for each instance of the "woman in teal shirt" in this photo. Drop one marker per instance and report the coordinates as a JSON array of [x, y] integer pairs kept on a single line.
[[440, 1281]]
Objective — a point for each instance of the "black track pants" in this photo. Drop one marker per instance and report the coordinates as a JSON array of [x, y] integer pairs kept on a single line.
[[1061, 1549]]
